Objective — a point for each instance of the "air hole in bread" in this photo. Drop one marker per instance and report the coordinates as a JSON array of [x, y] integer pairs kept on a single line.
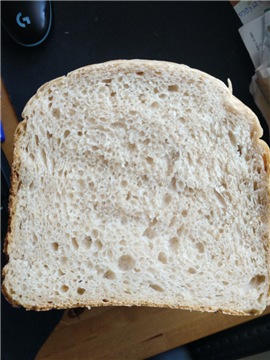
[[126, 262], [132, 147], [260, 298], [92, 120], [124, 183], [167, 199], [87, 153], [87, 242], [173, 88], [81, 185], [37, 140], [142, 134], [156, 287], [149, 233], [60, 272], [113, 93], [200, 247], [162, 258], [98, 244], [257, 280], [225, 283], [75, 244], [172, 221], [64, 260], [89, 264], [55, 246], [44, 157], [80, 291], [72, 112], [255, 186], [128, 195], [174, 243], [173, 183], [232, 138], [140, 73], [184, 213], [180, 230], [56, 113], [192, 270], [146, 141], [107, 81], [150, 160], [155, 104], [64, 288], [239, 149], [70, 195], [105, 300], [79, 133], [95, 233], [48, 135], [110, 275], [144, 178], [66, 133], [182, 120], [99, 270], [153, 222], [119, 124]]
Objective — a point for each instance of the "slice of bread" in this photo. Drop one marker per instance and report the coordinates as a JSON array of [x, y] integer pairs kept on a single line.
[[139, 183]]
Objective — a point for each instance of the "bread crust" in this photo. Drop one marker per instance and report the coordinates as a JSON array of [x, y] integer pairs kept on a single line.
[[113, 67], [72, 305]]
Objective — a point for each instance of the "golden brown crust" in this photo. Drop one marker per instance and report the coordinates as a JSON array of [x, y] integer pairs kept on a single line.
[[14, 181], [20, 130], [131, 304]]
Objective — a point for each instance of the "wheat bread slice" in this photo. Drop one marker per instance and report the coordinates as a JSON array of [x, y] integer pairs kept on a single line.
[[143, 183]]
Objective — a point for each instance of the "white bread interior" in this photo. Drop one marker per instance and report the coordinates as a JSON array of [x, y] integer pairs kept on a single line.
[[139, 183]]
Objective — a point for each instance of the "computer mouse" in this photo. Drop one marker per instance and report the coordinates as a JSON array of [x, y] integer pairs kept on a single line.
[[27, 22]]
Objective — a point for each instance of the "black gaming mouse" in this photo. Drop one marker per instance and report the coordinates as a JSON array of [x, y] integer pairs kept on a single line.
[[27, 22]]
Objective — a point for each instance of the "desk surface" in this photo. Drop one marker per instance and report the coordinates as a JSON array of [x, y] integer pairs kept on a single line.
[[119, 332]]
